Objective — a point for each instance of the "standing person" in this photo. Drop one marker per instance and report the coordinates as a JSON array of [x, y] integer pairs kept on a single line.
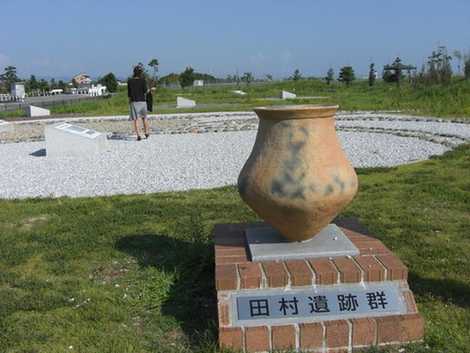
[[136, 91]]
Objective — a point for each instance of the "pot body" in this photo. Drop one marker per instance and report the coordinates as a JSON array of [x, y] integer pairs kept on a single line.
[[297, 177]]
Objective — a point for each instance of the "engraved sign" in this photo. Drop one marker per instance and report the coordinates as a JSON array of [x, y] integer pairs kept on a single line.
[[318, 303]]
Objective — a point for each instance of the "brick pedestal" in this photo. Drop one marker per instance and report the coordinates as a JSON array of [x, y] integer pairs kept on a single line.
[[235, 273]]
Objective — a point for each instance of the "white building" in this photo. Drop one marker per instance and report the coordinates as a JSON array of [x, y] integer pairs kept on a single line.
[[98, 90], [198, 83]]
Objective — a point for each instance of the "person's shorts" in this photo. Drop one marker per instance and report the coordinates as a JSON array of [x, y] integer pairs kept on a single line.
[[137, 110]]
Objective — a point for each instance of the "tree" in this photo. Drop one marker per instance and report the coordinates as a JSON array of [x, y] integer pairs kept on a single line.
[[460, 57], [110, 81], [269, 77], [372, 74], [330, 76], [62, 85], [9, 76], [154, 65], [247, 78], [186, 78], [346, 75], [439, 67], [43, 85], [296, 76], [467, 68]]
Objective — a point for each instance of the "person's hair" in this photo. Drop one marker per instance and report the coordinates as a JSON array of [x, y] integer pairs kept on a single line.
[[138, 71]]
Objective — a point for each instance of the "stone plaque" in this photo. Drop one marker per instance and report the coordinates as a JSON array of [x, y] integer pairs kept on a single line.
[[65, 140], [318, 304]]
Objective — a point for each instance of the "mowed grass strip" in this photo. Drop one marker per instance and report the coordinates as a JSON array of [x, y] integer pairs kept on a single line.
[[135, 273]]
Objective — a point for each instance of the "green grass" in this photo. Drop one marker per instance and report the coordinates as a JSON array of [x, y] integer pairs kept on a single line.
[[129, 274], [443, 101]]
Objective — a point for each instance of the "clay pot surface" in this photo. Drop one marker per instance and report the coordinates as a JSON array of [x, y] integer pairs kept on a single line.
[[297, 177]]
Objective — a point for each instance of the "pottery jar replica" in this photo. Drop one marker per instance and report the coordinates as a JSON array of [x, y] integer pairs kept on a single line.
[[297, 177]]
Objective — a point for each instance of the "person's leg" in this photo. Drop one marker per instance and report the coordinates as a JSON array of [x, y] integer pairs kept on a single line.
[[146, 126], [136, 128]]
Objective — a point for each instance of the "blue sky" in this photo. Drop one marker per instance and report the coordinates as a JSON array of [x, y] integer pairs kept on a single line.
[[60, 38]]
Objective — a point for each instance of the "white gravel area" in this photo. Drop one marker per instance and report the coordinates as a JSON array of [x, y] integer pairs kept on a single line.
[[172, 163]]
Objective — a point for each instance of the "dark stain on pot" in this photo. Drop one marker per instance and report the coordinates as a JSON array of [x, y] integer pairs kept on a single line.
[[340, 183], [290, 183], [328, 190], [242, 184]]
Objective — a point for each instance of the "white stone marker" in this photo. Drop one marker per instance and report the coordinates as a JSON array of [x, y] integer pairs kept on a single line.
[[239, 92], [184, 103], [67, 140], [33, 111], [5, 126], [288, 95]]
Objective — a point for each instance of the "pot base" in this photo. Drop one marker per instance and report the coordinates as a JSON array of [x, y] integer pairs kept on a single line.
[[267, 244]]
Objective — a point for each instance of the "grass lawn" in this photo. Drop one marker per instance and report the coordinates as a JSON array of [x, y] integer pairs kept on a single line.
[[444, 101], [135, 273]]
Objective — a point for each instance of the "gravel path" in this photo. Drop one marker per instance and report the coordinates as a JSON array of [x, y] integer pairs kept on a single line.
[[192, 151], [172, 162]]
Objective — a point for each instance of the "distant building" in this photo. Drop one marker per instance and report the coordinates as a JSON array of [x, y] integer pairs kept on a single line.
[[82, 80], [94, 91], [17, 90], [122, 83], [56, 91], [198, 83]]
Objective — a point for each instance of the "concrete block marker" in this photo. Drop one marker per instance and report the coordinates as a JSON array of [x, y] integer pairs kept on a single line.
[[288, 95], [5, 126], [67, 140], [239, 92], [33, 111], [185, 103]]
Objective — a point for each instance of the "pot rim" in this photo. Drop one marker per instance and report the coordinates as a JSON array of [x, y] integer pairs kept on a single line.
[[304, 111]]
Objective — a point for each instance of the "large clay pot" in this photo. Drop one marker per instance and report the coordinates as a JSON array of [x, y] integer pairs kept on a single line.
[[297, 177]]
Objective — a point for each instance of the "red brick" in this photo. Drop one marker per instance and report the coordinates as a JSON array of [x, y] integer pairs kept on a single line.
[[228, 250], [412, 328], [410, 302], [226, 277], [311, 336], [325, 271], [373, 270], [257, 339], [227, 260], [348, 270], [368, 245], [337, 334], [353, 235], [388, 329], [224, 313], [250, 275], [300, 273], [231, 338], [275, 274], [283, 337], [396, 270], [364, 332]]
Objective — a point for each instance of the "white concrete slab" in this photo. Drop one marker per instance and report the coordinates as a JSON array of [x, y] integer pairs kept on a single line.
[[185, 103], [67, 140], [288, 95], [267, 244], [34, 111]]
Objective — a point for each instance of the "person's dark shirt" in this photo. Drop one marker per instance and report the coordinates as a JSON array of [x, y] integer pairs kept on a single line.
[[136, 89]]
